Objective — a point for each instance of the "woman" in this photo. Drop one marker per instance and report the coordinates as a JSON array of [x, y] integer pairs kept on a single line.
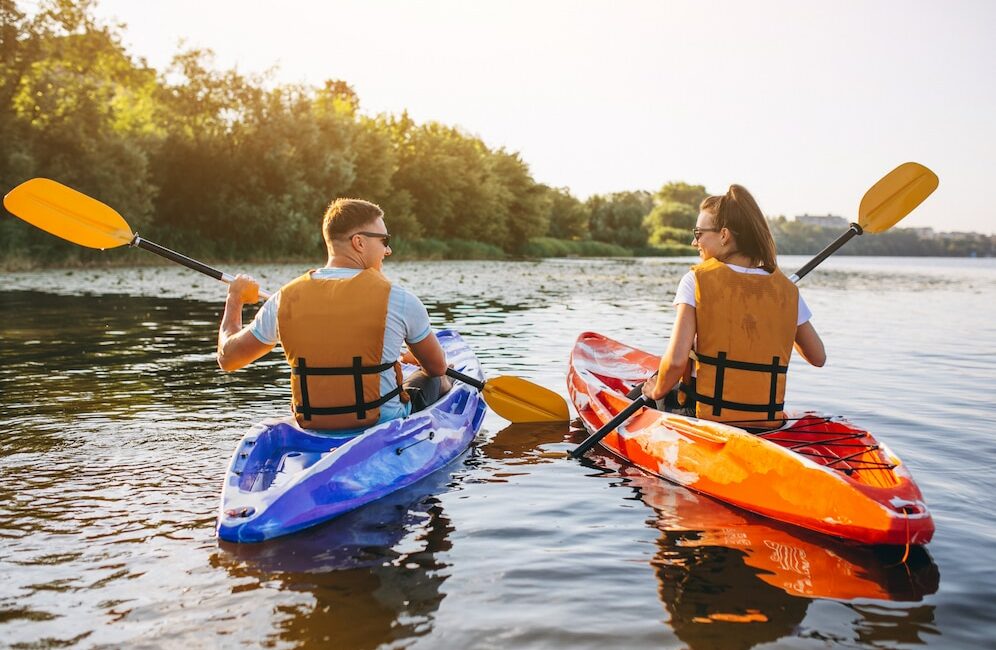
[[741, 315]]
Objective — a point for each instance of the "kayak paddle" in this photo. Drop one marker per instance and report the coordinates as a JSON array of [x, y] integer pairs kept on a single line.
[[882, 206], [518, 400], [81, 219], [885, 203]]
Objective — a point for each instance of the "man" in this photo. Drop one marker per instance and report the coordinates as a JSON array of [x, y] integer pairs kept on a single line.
[[341, 328]]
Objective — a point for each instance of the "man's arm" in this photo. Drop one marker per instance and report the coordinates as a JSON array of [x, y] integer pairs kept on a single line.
[[430, 355], [237, 346]]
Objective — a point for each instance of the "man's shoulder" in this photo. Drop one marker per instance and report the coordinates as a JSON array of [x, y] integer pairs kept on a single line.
[[403, 293]]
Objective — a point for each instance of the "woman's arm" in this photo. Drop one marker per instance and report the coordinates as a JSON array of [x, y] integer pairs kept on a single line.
[[675, 360], [809, 345]]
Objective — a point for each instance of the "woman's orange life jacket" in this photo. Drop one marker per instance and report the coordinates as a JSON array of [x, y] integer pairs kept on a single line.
[[332, 334], [745, 328]]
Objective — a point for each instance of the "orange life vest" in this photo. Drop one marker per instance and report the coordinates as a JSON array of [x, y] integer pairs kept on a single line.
[[332, 334], [745, 329]]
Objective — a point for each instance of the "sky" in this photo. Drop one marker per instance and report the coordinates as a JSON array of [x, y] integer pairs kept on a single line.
[[807, 103]]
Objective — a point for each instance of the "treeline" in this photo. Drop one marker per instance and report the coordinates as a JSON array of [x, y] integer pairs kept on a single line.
[[228, 166], [224, 165], [797, 238]]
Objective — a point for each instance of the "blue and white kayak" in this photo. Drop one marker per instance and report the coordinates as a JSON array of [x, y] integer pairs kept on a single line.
[[282, 478]]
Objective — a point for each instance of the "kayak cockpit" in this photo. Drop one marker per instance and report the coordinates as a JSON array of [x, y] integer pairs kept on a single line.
[[278, 452]]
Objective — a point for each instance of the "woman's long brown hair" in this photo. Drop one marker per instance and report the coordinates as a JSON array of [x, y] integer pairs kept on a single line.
[[737, 211]]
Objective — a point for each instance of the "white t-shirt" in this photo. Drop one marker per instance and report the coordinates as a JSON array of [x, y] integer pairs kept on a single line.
[[407, 322], [685, 293]]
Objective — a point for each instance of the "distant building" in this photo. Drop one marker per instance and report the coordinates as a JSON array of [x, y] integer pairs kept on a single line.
[[823, 221], [924, 233], [955, 234]]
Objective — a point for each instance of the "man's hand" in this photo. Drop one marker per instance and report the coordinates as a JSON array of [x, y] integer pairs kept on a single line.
[[237, 346], [244, 290]]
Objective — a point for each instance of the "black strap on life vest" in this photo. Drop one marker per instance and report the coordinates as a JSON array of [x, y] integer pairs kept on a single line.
[[717, 402], [357, 370]]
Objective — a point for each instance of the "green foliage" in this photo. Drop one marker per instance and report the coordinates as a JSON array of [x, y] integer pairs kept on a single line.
[[676, 207], [569, 217], [423, 249], [223, 165], [445, 249], [795, 238], [618, 218], [681, 192], [466, 249], [551, 247]]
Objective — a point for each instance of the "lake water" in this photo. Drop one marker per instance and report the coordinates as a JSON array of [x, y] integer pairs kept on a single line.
[[117, 427]]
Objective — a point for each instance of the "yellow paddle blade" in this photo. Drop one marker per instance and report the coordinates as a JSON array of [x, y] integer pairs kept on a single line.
[[895, 196], [69, 214], [518, 400]]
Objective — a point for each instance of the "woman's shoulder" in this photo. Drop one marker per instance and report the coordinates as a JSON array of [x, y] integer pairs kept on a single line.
[[749, 270]]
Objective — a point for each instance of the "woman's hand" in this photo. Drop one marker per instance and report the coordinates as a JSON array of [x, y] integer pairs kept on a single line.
[[651, 391]]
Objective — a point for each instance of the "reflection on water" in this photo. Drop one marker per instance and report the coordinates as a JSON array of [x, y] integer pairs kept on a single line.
[[117, 427], [732, 579], [373, 574]]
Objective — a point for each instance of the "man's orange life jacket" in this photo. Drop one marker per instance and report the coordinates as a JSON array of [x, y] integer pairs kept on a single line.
[[332, 333], [745, 329]]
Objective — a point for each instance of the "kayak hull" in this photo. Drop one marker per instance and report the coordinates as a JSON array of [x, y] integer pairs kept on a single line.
[[819, 473], [282, 479]]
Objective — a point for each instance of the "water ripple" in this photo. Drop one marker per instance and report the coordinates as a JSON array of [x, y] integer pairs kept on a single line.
[[118, 427]]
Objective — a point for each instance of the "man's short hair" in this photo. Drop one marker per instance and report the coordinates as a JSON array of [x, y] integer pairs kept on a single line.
[[345, 216]]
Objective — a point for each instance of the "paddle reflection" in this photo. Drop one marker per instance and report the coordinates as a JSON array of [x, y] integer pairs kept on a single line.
[[524, 443], [372, 574]]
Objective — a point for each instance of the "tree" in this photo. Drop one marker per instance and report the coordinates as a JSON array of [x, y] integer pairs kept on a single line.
[[524, 204], [569, 217], [618, 218], [76, 108], [676, 207], [681, 192]]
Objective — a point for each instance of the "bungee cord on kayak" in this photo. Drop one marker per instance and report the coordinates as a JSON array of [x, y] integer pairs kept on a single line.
[[836, 440]]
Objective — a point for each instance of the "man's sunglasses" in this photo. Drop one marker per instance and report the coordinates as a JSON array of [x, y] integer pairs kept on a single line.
[[383, 236]]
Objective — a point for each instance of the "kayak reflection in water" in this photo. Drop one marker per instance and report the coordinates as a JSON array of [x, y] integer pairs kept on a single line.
[[370, 578], [741, 315], [732, 579], [341, 328]]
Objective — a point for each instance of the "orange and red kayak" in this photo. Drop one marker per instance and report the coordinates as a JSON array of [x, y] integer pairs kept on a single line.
[[817, 472]]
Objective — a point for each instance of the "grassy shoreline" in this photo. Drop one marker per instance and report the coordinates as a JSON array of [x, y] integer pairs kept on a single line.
[[423, 250]]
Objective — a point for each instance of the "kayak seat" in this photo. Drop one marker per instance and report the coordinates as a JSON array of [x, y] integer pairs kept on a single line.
[[281, 449]]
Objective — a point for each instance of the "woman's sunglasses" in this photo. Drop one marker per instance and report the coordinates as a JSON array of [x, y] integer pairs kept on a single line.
[[697, 232]]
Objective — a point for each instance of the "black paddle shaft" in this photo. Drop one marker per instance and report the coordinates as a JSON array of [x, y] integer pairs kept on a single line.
[[827, 252], [467, 379], [173, 256], [623, 415]]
